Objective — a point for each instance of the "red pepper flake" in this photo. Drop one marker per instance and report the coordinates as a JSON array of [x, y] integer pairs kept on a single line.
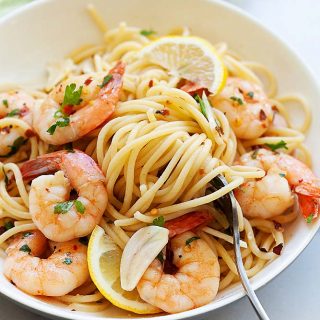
[[262, 115], [263, 249], [29, 133], [163, 112], [192, 88], [300, 180], [75, 247], [150, 84], [277, 249], [201, 171], [68, 109], [275, 108], [88, 81]]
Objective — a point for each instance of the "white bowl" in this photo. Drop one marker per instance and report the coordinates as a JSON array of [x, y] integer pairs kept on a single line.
[[47, 30]]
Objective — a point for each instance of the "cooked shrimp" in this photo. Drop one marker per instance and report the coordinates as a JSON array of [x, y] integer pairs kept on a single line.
[[246, 107], [68, 114], [272, 195], [58, 217], [28, 266], [195, 283], [17, 104]]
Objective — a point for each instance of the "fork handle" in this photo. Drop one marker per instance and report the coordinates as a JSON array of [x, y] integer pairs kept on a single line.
[[245, 281]]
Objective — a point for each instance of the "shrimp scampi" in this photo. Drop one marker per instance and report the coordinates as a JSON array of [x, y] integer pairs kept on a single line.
[[246, 107], [30, 268], [54, 213], [15, 104], [78, 105], [273, 194], [195, 283]]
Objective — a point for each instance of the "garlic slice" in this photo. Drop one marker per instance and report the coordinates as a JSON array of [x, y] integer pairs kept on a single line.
[[142, 248]]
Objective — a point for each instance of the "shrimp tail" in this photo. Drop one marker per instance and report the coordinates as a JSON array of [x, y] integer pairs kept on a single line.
[[309, 200], [45, 164], [188, 222]]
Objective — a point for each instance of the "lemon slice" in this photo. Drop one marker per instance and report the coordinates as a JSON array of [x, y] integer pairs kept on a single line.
[[190, 58], [104, 258]]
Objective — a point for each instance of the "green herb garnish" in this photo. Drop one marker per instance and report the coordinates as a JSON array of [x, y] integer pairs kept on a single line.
[[14, 112], [188, 242], [5, 103], [309, 218], [67, 260], [250, 94], [15, 147], [63, 207], [159, 221], [275, 146], [26, 235], [25, 248], [236, 99], [64, 122], [254, 154], [105, 80], [9, 225], [147, 33], [282, 175], [202, 106], [79, 206], [71, 95]]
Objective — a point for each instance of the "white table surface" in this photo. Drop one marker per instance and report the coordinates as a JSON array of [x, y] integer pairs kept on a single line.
[[294, 294]]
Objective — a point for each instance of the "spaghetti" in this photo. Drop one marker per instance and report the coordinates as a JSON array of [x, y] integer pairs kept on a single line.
[[158, 153]]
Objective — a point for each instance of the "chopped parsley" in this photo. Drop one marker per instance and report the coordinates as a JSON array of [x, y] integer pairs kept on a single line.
[[254, 154], [160, 257], [158, 221], [15, 147], [71, 98], [309, 218], [9, 225], [64, 207], [188, 242], [14, 112], [79, 206], [282, 175], [26, 235], [105, 80], [250, 94], [71, 95], [5, 103], [67, 260], [64, 122], [236, 99], [84, 241], [147, 33], [25, 248], [202, 106], [275, 146]]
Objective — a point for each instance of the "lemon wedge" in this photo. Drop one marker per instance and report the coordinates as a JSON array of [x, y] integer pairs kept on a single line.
[[190, 58], [104, 258]]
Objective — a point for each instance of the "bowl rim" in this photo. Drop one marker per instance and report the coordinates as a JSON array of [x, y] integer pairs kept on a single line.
[[46, 309]]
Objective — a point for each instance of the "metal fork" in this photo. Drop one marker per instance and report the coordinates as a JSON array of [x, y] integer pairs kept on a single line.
[[227, 204]]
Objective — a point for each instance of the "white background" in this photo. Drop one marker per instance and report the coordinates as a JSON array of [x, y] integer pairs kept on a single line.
[[295, 293]]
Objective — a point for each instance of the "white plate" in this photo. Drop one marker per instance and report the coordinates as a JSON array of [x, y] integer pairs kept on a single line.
[[47, 30]]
